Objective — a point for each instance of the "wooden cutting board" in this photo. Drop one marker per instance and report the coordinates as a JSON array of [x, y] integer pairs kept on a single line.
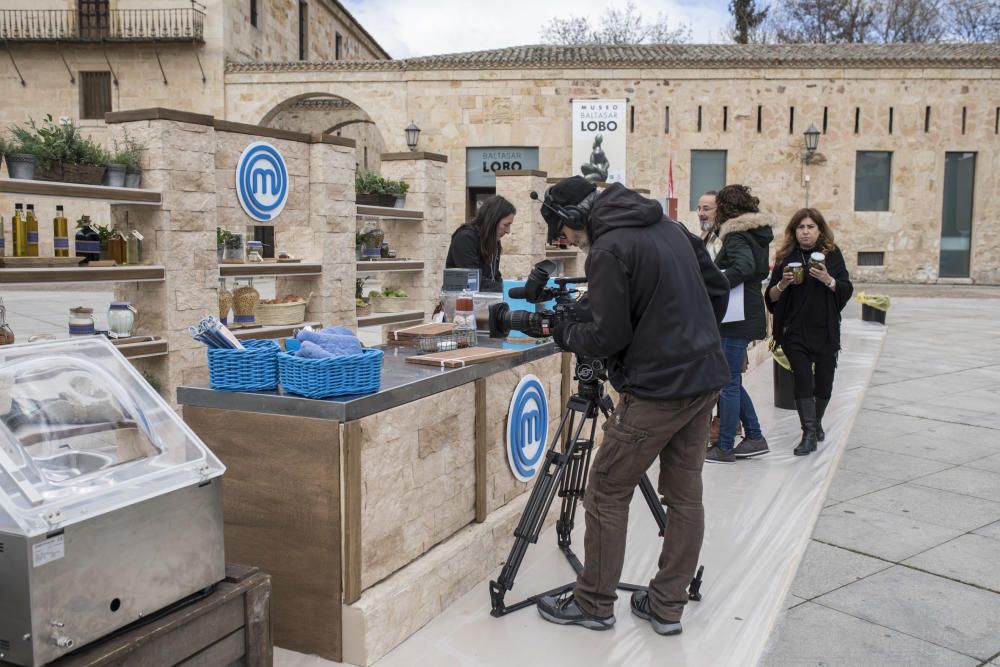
[[459, 358], [410, 334]]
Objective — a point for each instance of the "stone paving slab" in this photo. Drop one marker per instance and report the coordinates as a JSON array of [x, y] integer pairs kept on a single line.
[[947, 613], [931, 445], [889, 465], [816, 635], [877, 533], [965, 480], [941, 508], [971, 559], [991, 463], [991, 531], [848, 484], [825, 568]]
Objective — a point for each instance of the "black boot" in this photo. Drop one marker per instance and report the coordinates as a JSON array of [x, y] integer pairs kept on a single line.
[[821, 404], [807, 417]]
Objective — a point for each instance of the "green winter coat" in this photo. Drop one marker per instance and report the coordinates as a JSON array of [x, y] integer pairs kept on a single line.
[[743, 259]]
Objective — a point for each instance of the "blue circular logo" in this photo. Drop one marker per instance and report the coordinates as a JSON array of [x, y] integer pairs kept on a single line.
[[262, 181], [527, 428]]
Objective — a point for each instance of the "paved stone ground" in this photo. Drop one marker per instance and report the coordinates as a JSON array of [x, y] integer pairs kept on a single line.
[[904, 564]]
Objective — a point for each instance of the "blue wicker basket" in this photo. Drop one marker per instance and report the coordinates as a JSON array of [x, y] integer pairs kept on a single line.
[[333, 376], [252, 369]]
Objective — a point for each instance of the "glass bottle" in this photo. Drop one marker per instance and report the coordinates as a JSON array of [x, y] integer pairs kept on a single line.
[[245, 300], [32, 231], [465, 320], [233, 251], [117, 248], [60, 234], [133, 247], [81, 321], [2, 248], [255, 252], [121, 319], [225, 302], [19, 231], [6, 333], [87, 242]]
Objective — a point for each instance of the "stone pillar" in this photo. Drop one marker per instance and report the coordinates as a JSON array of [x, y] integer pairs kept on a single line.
[[525, 245], [179, 161], [425, 240]]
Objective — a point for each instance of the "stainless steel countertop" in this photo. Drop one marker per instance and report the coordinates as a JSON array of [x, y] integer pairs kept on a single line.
[[401, 383]]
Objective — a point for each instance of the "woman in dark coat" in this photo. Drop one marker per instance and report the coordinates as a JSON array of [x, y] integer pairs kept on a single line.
[[746, 234], [476, 244], [807, 316]]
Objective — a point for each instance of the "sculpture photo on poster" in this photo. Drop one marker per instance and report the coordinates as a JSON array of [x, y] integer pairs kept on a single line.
[[599, 134]]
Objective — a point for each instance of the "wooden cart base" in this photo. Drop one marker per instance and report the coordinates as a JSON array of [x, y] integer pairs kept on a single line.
[[231, 626]]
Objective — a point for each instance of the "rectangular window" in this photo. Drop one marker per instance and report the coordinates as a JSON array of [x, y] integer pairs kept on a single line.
[[872, 178], [338, 47], [303, 30], [93, 18], [857, 120], [791, 120], [825, 118], [964, 116], [890, 120], [871, 258], [631, 119], [95, 94], [253, 13], [666, 120], [996, 123], [699, 118], [956, 216], [708, 172], [725, 118], [760, 118], [927, 119]]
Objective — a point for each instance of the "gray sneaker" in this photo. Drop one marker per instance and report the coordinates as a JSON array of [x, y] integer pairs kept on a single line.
[[751, 447], [716, 455], [641, 608], [565, 610]]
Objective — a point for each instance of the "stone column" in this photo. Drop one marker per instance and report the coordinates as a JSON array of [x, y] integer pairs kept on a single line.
[[425, 240], [525, 245]]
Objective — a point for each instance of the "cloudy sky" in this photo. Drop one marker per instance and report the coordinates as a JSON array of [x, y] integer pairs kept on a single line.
[[405, 28]]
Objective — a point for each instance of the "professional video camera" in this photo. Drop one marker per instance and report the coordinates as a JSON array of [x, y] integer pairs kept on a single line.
[[537, 290]]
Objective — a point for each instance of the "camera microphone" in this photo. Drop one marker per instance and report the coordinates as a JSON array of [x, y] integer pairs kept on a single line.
[[558, 211]]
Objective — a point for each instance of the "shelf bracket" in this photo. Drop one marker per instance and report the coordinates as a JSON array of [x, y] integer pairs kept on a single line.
[[16, 69], [164, 74], [72, 79], [203, 78], [114, 77]]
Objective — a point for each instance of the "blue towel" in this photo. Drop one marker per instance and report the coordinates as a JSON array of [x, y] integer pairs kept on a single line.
[[336, 344], [337, 330], [312, 351]]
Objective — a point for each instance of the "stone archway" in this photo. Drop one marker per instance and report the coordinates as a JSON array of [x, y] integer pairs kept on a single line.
[[326, 113]]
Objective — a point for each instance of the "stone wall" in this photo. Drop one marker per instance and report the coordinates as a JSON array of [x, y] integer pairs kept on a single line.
[[460, 108]]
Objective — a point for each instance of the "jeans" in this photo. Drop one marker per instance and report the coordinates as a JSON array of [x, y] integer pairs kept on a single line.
[[639, 433], [734, 402]]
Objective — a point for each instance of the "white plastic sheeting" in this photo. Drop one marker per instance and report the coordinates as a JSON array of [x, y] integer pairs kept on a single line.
[[759, 514]]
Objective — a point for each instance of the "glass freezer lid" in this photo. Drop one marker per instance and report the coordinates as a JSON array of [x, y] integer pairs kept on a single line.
[[82, 433]]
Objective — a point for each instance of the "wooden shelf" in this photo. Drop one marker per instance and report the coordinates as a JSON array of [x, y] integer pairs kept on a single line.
[[153, 348], [130, 196], [561, 254], [269, 269], [378, 319], [390, 213], [388, 265], [280, 331], [83, 274]]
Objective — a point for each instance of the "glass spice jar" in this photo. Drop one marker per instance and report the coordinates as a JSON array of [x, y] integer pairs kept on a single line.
[[121, 319], [255, 252], [81, 321], [245, 301]]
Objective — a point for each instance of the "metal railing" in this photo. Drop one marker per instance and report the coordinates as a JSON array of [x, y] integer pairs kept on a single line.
[[115, 25]]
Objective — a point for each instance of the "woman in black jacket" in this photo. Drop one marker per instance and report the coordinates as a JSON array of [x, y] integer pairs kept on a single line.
[[746, 234], [807, 316], [476, 244]]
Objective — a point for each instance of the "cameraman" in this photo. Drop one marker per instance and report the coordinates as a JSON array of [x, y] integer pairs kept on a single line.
[[655, 299]]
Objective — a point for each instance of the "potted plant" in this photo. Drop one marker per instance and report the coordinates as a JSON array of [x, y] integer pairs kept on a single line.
[[361, 306], [222, 237], [127, 154], [21, 160], [389, 300], [399, 189], [63, 153], [374, 190]]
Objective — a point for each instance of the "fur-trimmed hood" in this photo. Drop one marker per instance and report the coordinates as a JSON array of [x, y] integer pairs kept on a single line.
[[747, 222]]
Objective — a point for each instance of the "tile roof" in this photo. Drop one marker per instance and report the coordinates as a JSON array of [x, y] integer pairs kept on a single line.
[[670, 56]]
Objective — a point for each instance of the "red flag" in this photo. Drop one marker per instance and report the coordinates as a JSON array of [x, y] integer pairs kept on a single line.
[[670, 180]]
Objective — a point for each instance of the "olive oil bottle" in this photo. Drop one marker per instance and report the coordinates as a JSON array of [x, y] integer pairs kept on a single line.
[[19, 232], [60, 234], [32, 231]]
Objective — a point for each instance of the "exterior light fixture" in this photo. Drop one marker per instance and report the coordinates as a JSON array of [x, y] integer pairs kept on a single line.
[[413, 133], [812, 142]]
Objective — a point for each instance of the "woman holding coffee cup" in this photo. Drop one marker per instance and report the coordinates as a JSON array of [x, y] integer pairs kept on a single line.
[[809, 287]]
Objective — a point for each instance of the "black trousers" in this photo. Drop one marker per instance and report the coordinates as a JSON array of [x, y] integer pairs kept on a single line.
[[809, 383]]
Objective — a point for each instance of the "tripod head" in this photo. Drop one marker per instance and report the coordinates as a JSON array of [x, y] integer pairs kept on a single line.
[[590, 375]]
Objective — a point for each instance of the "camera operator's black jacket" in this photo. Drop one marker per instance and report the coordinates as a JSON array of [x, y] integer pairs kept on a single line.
[[656, 299]]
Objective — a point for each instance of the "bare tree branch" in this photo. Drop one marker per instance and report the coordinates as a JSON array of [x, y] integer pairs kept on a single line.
[[617, 26]]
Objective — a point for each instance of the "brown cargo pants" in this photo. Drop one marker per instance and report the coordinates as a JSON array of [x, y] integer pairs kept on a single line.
[[639, 432]]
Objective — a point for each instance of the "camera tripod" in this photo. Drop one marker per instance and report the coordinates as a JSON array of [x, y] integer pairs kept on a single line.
[[565, 472]]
